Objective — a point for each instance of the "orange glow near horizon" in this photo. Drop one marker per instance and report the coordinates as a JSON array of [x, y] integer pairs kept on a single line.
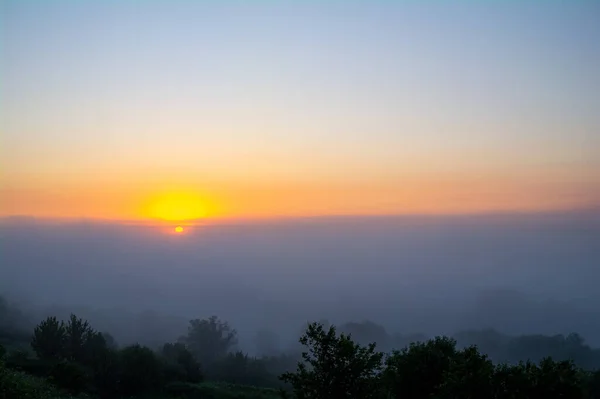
[[188, 201], [186, 206]]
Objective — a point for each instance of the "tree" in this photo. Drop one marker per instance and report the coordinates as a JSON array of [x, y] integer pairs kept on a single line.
[[93, 350], [49, 338], [334, 367], [239, 368], [68, 375], [181, 364], [548, 379], [470, 376], [209, 339], [419, 370], [106, 373], [77, 335], [593, 385], [556, 379], [511, 381], [141, 370]]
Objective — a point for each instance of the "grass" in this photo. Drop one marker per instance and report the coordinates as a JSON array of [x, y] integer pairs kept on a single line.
[[15, 384], [217, 390]]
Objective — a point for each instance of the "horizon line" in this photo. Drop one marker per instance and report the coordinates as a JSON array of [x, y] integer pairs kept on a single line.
[[291, 218]]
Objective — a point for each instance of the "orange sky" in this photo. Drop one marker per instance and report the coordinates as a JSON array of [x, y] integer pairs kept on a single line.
[[436, 194], [109, 112]]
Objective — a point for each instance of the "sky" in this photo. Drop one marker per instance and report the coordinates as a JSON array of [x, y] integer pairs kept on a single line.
[[200, 109]]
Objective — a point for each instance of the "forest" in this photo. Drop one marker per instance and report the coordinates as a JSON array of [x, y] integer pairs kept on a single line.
[[70, 359]]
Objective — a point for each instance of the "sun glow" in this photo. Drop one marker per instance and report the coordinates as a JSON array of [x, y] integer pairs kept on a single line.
[[179, 229], [179, 207]]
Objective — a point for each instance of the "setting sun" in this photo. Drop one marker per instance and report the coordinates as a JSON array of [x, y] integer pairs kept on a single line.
[[178, 229], [179, 206]]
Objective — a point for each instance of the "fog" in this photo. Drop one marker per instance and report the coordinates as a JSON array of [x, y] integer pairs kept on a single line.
[[434, 275]]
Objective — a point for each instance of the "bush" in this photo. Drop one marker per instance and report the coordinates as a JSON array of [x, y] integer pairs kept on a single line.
[[70, 376], [106, 373], [21, 362], [18, 385], [239, 368], [180, 364], [141, 370]]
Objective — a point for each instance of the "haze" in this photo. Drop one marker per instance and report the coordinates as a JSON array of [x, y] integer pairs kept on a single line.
[[430, 167], [525, 274]]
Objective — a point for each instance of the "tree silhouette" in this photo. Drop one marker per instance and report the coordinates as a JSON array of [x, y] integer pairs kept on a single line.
[[140, 370], [209, 339], [182, 365], [49, 339], [334, 367], [419, 370], [78, 336], [469, 376]]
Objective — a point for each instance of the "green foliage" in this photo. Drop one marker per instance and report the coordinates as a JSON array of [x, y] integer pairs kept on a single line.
[[549, 379], [72, 355], [106, 373], [16, 356], [74, 341], [92, 349], [22, 362], [78, 334], [469, 376], [555, 379], [593, 384], [72, 358], [209, 339], [49, 339], [18, 385], [141, 370], [334, 367], [69, 376], [215, 390], [181, 364], [419, 370], [239, 368]]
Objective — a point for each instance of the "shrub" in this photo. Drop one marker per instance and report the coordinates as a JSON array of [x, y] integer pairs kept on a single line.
[[141, 370]]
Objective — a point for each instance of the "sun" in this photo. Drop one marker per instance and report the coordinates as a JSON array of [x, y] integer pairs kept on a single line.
[[178, 206], [179, 229]]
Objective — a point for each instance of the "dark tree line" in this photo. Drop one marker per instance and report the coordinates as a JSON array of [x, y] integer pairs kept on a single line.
[[347, 362], [334, 366]]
